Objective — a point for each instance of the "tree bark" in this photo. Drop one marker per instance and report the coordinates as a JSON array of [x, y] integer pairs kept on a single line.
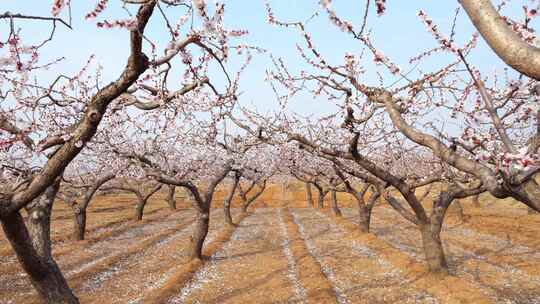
[[529, 194], [243, 197], [433, 249], [364, 212], [88, 124], [79, 209], [320, 201], [32, 244], [228, 200], [249, 201], [431, 234], [142, 199], [201, 202], [309, 195], [228, 216], [79, 223], [139, 208], [171, 198], [364, 218], [335, 207], [200, 232], [431, 230], [320, 197], [515, 52]]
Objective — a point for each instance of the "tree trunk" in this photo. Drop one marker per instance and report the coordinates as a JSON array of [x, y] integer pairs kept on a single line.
[[171, 199], [309, 195], [247, 202], [79, 209], [139, 212], [335, 207], [433, 249], [364, 217], [200, 231], [32, 244], [228, 200], [227, 211], [431, 234], [79, 223], [369, 208], [529, 193], [139, 209], [243, 197], [142, 199], [320, 201], [320, 198]]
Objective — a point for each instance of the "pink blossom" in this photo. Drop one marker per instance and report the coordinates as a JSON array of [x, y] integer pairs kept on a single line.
[[57, 7]]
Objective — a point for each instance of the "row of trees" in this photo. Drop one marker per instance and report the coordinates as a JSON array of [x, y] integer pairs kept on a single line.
[[491, 146], [172, 119]]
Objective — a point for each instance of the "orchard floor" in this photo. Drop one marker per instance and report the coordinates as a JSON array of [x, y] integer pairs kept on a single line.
[[287, 255]]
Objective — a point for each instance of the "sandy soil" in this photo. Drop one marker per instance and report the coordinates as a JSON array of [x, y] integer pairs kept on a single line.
[[505, 271], [280, 253], [251, 266]]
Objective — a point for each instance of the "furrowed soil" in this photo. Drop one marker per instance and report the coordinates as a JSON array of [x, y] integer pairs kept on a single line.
[[283, 251]]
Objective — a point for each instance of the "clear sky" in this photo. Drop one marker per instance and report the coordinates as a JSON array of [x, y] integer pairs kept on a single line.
[[399, 34]]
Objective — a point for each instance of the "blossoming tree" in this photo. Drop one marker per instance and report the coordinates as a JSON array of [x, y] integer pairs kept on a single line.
[[46, 125]]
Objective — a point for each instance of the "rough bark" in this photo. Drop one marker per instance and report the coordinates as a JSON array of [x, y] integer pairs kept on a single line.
[[320, 200], [228, 200], [248, 201], [335, 208], [515, 52], [431, 234], [321, 194], [171, 197], [309, 194], [139, 209], [528, 193], [31, 241], [200, 231], [431, 230], [365, 211], [433, 249], [32, 245], [79, 224]]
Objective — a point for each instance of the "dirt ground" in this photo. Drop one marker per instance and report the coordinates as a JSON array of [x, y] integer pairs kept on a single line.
[[284, 252]]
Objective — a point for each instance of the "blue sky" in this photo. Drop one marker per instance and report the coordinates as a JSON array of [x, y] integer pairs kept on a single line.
[[399, 34]]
